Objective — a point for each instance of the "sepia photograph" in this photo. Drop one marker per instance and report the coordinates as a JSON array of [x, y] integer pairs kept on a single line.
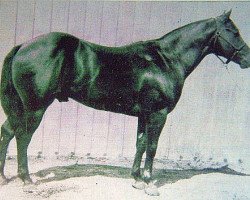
[[129, 100]]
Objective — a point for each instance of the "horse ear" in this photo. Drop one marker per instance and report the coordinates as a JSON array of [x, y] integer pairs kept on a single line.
[[225, 16]]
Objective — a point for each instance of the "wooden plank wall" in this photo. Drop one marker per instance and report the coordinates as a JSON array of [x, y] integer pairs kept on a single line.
[[212, 118]]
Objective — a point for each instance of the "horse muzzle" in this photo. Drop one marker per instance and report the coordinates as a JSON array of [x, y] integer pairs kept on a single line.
[[244, 60]]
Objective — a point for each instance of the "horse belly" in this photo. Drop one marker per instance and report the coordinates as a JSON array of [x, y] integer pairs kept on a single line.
[[102, 99]]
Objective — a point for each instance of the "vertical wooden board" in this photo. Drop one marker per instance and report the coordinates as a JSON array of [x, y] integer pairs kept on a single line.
[[206, 90], [140, 26], [193, 95], [60, 16], [76, 24], [140, 31], [198, 80], [173, 18], [77, 17], [174, 132], [204, 76], [170, 10], [207, 83], [107, 37], [7, 27], [115, 121], [207, 65], [24, 32], [53, 127], [126, 23], [43, 14], [109, 23], [49, 136], [141, 21], [234, 134], [8, 17], [125, 142], [84, 130], [93, 21], [25, 21], [66, 127], [230, 131], [158, 20], [157, 28], [129, 137], [50, 128], [42, 25], [69, 110], [88, 117]]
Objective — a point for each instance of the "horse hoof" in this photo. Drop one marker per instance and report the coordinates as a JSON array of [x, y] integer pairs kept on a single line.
[[28, 182], [151, 190], [140, 185], [30, 188], [24, 182]]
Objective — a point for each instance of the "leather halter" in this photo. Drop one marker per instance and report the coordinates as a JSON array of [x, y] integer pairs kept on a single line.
[[236, 50]]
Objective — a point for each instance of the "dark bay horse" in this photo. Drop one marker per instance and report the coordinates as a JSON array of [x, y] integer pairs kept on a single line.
[[144, 79]]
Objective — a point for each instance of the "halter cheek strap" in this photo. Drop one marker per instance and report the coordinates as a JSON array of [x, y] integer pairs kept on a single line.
[[235, 49]]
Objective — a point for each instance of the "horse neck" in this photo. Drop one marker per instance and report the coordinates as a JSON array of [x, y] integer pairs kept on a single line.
[[185, 47]]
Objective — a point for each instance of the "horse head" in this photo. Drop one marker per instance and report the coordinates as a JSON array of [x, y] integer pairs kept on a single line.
[[228, 43]]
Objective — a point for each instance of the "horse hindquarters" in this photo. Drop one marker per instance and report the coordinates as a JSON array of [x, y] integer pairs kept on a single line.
[[20, 122]]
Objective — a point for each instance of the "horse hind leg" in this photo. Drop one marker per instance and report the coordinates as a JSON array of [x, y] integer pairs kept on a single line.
[[25, 129], [21, 124], [6, 136]]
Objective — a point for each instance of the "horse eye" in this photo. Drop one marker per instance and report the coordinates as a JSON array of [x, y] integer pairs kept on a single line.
[[229, 30], [236, 33]]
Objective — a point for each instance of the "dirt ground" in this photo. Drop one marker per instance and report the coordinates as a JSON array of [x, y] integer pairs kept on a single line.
[[67, 179]]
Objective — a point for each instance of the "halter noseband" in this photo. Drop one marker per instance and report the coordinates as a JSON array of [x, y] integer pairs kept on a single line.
[[235, 49]]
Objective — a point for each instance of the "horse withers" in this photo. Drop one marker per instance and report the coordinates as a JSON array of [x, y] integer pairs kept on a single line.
[[144, 79]]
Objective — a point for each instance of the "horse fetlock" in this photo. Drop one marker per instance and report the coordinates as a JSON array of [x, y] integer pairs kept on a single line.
[[24, 177], [136, 174]]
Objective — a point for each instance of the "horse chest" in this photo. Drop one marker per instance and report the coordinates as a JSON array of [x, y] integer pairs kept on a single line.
[[159, 90]]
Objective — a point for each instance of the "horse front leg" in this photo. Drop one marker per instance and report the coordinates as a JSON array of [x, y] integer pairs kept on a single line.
[[154, 125], [141, 144]]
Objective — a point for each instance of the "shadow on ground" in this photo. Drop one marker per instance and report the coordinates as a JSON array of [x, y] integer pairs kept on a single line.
[[162, 176]]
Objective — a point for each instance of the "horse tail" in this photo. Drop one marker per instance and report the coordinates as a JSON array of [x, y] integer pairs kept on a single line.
[[7, 89]]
